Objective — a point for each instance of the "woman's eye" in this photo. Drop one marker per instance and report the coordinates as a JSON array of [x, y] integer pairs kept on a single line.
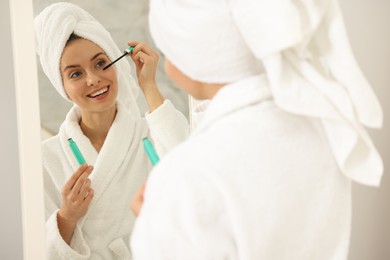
[[100, 64], [75, 75]]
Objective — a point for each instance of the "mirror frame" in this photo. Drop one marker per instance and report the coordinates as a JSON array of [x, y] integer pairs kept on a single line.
[[28, 121]]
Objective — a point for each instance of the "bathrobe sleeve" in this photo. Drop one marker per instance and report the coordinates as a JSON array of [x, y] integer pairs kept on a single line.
[[191, 226], [57, 248], [54, 177], [167, 126]]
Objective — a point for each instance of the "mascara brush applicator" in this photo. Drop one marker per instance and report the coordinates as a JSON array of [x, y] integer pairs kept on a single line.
[[126, 52]]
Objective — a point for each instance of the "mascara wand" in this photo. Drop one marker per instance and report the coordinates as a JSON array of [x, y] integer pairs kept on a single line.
[[127, 51]]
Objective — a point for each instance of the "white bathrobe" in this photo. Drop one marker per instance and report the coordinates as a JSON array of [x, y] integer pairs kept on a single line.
[[120, 169], [281, 197]]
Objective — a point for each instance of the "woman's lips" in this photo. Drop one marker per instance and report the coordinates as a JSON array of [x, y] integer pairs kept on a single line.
[[99, 93]]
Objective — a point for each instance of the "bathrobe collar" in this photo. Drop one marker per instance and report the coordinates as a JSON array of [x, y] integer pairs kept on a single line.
[[233, 97], [351, 146], [106, 163]]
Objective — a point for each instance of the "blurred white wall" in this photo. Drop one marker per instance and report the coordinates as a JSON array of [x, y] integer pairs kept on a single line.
[[11, 240], [368, 25]]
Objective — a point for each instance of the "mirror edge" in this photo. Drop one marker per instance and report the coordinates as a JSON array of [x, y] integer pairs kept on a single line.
[[28, 120]]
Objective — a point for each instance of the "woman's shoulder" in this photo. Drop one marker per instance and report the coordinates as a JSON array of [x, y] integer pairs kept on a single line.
[[51, 146], [263, 121]]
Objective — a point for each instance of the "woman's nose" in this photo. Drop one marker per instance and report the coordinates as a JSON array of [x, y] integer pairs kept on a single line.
[[93, 80]]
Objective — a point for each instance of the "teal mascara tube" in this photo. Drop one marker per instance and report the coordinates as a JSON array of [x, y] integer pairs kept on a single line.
[[150, 151], [76, 152]]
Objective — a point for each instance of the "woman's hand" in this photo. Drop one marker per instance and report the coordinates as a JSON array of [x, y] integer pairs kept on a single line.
[[146, 61], [138, 201], [76, 194]]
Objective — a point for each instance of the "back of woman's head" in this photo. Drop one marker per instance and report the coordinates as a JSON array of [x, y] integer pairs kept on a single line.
[[304, 50]]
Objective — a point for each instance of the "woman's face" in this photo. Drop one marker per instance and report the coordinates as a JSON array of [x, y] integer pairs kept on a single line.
[[86, 83], [198, 90], [192, 87]]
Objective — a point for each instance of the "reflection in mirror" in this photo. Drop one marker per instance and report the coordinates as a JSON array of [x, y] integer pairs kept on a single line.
[[87, 204], [125, 20]]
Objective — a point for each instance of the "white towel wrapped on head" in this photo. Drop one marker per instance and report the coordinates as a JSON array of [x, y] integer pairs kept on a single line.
[[303, 48], [55, 24]]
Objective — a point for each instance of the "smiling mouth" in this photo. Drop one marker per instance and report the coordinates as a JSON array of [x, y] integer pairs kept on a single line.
[[98, 93]]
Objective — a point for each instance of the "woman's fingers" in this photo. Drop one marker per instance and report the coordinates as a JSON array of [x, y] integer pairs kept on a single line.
[[84, 189], [73, 179], [141, 46], [88, 198], [142, 57], [82, 180], [77, 194], [133, 43], [146, 61], [138, 200], [144, 54]]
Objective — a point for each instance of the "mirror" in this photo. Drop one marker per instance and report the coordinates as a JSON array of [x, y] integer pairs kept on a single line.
[[130, 23]]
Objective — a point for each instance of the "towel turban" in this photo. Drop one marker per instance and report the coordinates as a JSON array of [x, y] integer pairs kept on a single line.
[[303, 48], [55, 24]]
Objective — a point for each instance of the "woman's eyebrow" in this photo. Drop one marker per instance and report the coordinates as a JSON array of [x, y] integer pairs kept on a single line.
[[70, 67], [97, 54]]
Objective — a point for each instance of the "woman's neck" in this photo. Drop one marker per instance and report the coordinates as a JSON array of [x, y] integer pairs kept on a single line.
[[95, 126]]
